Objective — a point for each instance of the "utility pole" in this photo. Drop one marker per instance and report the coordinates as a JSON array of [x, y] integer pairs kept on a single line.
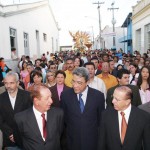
[[99, 15], [113, 23]]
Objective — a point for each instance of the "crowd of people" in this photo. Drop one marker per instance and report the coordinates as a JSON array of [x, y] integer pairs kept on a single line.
[[71, 100]]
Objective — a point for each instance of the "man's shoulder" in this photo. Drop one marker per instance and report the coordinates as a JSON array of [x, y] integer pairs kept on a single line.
[[22, 114], [145, 107], [140, 113], [133, 87], [112, 88], [108, 112], [68, 91], [23, 91], [56, 110]]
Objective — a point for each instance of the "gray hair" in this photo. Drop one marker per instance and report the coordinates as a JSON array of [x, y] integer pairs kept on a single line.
[[82, 72], [14, 74]]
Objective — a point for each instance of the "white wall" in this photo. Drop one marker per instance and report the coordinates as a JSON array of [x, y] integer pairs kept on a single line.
[[109, 39], [39, 19], [140, 18]]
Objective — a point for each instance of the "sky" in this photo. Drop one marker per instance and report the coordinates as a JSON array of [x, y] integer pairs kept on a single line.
[[82, 15]]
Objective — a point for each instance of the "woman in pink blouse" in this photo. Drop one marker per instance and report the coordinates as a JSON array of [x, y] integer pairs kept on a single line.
[[58, 88], [144, 84]]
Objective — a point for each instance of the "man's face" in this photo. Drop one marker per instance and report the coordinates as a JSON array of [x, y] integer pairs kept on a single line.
[[91, 70], [79, 84], [38, 63], [136, 61], [105, 67], [120, 100], [124, 80], [43, 103], [105, 58], [29, 69], [70, 65], [138, 56], [112, 65], [11, 84], [95, 63], [53, 68]]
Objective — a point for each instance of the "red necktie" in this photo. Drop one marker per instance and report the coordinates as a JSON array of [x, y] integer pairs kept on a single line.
[[44, 126], [123, 127]]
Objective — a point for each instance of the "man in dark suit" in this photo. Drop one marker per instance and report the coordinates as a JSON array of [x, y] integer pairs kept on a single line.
[[41, 125], [82, 108], [123, 79], [12, 101], [124, 127], [96, 63]]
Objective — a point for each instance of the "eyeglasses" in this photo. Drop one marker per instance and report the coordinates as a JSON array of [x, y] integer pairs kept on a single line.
[[119, 100], [77, 82]]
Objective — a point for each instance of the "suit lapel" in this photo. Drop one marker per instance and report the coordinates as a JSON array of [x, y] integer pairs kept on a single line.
[[115, 126], [50, 124], [75, 103], [88, 100], [8, 103], [32, 122], [18, 101], [131, 125], [56, 92]]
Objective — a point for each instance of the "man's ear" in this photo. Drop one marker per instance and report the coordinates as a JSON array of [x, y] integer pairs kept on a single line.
[[36, 101]]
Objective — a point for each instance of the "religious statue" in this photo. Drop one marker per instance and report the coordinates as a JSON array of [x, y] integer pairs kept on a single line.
[[81, 40]]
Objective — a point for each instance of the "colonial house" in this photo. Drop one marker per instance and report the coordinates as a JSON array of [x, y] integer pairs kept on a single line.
[[30, 28], [141, 26]]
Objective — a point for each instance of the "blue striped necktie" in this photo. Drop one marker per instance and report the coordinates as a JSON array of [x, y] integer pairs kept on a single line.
[[81, 103]]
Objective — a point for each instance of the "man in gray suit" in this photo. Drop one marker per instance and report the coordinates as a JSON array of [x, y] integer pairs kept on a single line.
[[145, 107], [41, 125]]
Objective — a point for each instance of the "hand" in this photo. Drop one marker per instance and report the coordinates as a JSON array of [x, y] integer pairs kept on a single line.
[[11, 137]]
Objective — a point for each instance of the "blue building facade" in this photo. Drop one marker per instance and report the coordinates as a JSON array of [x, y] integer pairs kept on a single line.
[[127, 38]]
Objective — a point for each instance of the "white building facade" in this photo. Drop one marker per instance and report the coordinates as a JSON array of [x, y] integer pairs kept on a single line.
[[107, 38], [30, 28], [141, 26]]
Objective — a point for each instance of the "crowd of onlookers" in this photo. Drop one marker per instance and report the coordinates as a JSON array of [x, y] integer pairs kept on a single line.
[[107, 71], [43, 70]]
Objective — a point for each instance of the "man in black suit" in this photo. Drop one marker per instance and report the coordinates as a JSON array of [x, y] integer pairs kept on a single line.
[[41, 125], [82, 109], [96, 63], [123, 79], [12, 101], [124, 127]]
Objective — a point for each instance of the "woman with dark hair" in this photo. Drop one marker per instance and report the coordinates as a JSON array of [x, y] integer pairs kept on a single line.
[[134, 74], [24, 72], [144, 84], [119, 67], [77, 62], [58, 88], [35, 79]]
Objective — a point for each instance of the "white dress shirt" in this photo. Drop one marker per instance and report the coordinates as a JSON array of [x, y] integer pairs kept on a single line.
[[127, 114], [12, 100], [39, 120], [98, 84], [84, 95]]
